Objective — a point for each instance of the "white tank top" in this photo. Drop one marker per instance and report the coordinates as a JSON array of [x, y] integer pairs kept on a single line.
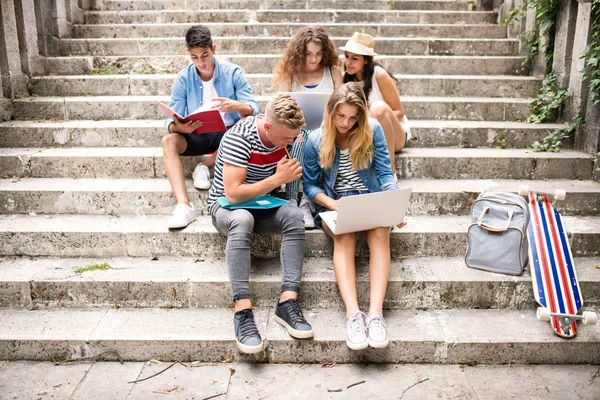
[[376, 95], [325, 86]]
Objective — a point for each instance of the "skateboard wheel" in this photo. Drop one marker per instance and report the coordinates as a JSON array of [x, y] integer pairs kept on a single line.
[[589, 318], [560, 194], [523, 190], [543, 314]]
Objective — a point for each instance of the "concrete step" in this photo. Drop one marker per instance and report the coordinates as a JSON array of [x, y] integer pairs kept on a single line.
[[132, 5], [144, 107], [105, 196], [148, 236], [275, 45], [147, 133], [411, 163], [262, 84], [265, 63], [303, 16], [241, 29], [101, 380], [414, 283], [440, 337]]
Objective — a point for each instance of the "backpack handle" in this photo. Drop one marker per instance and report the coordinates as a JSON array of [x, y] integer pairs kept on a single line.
[[509, 214]]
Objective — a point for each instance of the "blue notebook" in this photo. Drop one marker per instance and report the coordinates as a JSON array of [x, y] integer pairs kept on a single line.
[[262, 203]]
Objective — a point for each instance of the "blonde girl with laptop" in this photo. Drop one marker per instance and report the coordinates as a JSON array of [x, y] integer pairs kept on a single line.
[[346, 157], [309, 63]]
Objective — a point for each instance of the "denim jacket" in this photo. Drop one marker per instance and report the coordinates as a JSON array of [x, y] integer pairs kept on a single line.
[[230, 81], [376, 178]]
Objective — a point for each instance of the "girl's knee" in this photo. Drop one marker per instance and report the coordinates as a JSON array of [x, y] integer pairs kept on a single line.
[[379, 109]]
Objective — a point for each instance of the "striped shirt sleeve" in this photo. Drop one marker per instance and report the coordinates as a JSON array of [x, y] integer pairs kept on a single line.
[[235, 150]]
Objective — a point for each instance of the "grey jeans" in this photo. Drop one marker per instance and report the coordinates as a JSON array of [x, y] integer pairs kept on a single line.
[[238, 225]]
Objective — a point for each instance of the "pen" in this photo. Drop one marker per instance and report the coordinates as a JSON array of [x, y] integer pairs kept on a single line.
[[288, 153]]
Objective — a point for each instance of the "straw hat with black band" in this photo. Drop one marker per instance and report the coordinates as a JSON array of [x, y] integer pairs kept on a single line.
[[360, 43]]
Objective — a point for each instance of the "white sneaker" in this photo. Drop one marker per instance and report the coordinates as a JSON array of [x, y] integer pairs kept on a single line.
[[201, 177], [309, 221], [356, 331], [182, 216], [378, 336]]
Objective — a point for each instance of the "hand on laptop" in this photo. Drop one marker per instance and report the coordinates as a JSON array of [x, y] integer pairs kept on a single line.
[[333, 205]]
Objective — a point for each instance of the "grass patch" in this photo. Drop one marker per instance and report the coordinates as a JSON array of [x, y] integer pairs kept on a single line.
[[103, 71], [93, 267]]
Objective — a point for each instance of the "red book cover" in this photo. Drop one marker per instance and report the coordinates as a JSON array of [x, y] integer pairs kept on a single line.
[[212, 121]]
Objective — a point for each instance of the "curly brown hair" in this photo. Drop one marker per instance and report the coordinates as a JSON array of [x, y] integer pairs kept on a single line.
[[293, 59]]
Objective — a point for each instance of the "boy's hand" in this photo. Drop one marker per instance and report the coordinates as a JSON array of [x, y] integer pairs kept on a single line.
[[224, 104], [288, 170], [333, 205], [178, 126]]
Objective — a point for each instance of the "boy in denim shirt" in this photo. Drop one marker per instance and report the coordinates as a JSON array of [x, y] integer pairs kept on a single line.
[[205, 80]]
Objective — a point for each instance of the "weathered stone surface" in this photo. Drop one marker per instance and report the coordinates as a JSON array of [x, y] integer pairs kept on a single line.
[[275, 45], [241, 29], [89, 235]]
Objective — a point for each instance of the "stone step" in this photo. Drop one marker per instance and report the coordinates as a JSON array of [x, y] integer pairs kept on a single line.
[[132, 5], [148, 236], [414, 283], [265, 63], [262, 84], [275, 45], [241, 29], [147, 133], [411, 163], [103, 380], [144, 107], [440, 337], [303, 16], [103, 196]]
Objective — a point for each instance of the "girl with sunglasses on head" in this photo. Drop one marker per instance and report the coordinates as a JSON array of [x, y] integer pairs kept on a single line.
[[346, 157], [309, 63], [380, 89]]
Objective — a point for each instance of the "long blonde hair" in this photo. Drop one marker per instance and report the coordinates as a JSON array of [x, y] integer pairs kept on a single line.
[[293, 59], [360, 137]]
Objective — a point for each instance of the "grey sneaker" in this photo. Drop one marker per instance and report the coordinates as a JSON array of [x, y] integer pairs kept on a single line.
[[378, 336], [356, 331], [305, 207], [247, 338], [289, 315]]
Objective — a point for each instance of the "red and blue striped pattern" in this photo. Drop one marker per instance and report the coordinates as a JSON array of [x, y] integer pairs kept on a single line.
[[553, 274]]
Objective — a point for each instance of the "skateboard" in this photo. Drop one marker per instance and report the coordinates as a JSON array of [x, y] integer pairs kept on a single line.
[[553, 273]]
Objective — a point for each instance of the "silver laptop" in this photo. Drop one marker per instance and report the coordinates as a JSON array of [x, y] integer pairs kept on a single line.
[[368, 211], [312, 106]]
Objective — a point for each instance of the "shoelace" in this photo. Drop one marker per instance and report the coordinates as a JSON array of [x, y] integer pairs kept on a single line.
[[247, 326], [356, 324], [293, 309], [377, 324]]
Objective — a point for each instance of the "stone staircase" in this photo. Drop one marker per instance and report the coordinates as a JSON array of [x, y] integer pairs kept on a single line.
[[84, 183]]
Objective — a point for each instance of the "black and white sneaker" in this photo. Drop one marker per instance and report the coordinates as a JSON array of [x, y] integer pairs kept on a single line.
[[247, 338], [289, 315]]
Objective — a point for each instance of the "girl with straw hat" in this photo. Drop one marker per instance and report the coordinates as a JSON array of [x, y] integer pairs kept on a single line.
[[380, 89]]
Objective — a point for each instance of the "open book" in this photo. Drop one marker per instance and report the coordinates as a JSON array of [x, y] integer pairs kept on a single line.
[[212, 120]]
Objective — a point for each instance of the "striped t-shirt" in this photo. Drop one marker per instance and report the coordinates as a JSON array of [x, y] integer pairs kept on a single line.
[[347, 178], [241, 146]]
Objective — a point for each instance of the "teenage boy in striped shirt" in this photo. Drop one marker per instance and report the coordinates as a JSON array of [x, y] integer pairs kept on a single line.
[[251, 162]]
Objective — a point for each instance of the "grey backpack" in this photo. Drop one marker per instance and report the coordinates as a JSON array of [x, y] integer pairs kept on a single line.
[[498, 233]]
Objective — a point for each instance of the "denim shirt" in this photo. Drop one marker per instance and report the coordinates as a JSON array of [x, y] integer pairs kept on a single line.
[[230, 81], [376, 177]]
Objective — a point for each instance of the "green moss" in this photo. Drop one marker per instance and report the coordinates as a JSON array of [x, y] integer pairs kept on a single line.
[[93, 267]]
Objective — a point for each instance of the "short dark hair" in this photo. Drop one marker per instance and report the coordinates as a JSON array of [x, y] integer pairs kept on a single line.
[[198, 36]]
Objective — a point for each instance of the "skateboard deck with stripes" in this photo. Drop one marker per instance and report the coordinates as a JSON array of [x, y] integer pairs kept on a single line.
[[553, 272]]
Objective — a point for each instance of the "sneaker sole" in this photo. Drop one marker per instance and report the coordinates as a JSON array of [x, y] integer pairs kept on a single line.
[[294, 332], [202, 187], [178, 226], [379, 345], [357, 346], [250, 349]]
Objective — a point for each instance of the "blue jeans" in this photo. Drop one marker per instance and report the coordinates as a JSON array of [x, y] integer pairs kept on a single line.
[[239, 225]]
